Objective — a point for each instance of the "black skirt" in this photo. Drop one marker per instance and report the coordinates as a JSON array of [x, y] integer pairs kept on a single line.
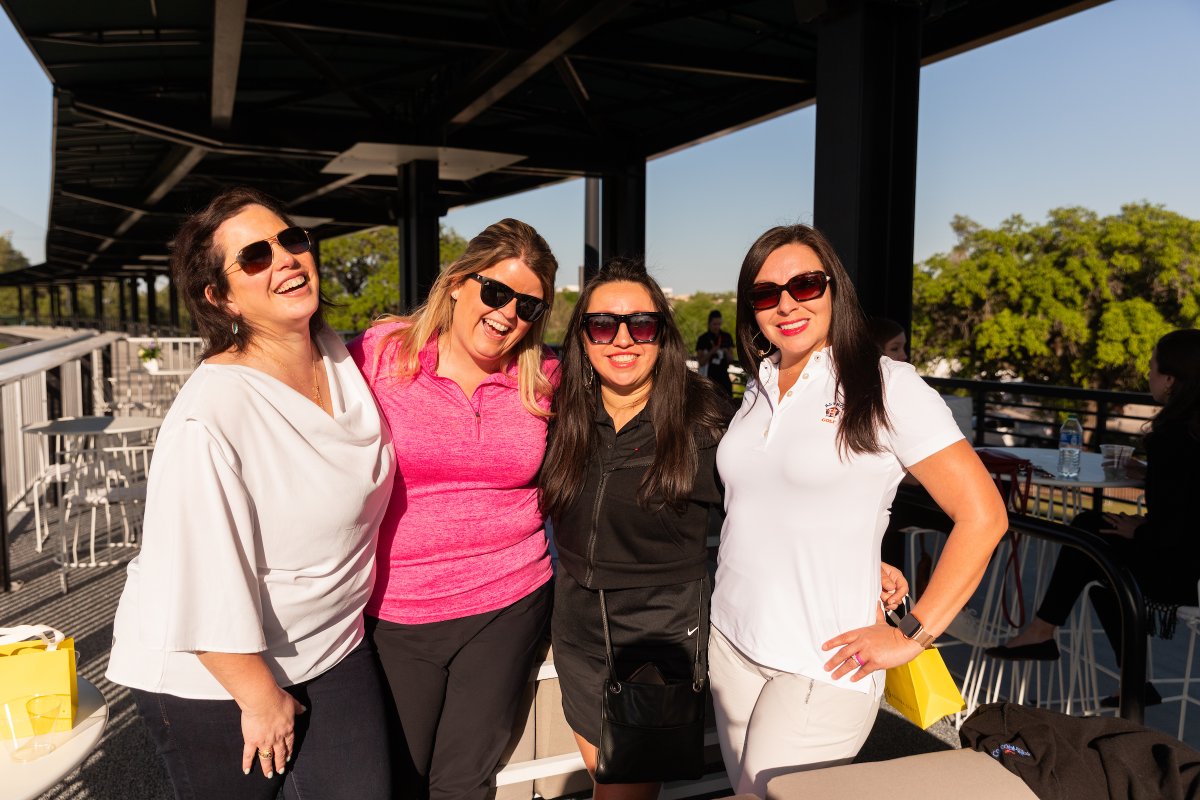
[[659, 624]]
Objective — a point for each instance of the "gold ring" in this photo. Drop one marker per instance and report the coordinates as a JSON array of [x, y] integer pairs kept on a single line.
[[266, 754]]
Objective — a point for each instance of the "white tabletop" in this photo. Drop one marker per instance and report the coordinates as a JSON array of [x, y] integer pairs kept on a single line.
[[1091, 473], [92, 426], [24, 781]]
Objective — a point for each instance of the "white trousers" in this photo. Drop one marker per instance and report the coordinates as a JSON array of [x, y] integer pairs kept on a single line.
[[772, 723]]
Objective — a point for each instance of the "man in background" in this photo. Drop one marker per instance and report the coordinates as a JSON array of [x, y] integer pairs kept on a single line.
[[714, 352]]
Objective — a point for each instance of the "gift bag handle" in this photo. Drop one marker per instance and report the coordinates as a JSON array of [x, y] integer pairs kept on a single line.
[[23, 633]]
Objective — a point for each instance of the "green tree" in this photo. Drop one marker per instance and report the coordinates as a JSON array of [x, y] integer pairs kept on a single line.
[[10, 258], [1079, 300], [365, 271]]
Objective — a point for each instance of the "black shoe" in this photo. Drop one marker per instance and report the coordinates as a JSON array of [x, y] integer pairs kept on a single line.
[[1038, 651], [1153, 698]]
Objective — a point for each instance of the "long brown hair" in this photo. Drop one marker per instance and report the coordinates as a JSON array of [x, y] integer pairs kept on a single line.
[[197, 263], [857, 372], [508, 238], [683, 406]]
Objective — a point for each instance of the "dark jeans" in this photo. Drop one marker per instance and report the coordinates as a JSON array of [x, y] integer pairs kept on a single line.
[[458, 686], [341, 741]]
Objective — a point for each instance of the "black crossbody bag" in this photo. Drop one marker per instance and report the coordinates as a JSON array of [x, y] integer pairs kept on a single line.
[[652, 728]]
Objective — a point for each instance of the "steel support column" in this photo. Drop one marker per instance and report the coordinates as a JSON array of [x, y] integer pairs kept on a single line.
[[173, 303], [98, 303], [591, 229], [33, 301], [122, 310], [418, 228], [134, 310], [868, 74], [623, 211], [20, 304], [151, 303], [73, 291]]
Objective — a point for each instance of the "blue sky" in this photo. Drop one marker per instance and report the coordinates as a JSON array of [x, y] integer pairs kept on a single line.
[[1097, 110]]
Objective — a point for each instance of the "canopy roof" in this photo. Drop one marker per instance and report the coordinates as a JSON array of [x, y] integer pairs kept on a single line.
[[161, 103]]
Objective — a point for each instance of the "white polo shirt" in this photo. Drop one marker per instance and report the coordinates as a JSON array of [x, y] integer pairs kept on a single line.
[[799, 557]]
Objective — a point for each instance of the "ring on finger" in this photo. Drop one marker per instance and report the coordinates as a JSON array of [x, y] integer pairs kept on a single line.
[[857, 660], [266, 754]]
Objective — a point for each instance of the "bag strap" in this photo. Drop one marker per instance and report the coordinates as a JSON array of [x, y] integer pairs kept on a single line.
[[22, 633], [608, 651], [697, 667]]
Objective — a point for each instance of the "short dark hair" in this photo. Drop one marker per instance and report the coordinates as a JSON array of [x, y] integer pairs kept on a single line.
[[196, 264], [714, 314]]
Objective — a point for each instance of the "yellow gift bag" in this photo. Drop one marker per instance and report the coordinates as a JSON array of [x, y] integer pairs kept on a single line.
[[922, 690], [34, 660]]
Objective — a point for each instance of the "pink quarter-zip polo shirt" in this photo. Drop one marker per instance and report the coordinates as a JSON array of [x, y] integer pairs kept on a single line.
[[462, 533]]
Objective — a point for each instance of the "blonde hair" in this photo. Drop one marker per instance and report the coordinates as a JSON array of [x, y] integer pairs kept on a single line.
[[508, 238]]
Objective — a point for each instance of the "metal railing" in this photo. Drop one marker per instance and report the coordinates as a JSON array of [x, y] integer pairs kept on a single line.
[[1028, 414], [914, 507]]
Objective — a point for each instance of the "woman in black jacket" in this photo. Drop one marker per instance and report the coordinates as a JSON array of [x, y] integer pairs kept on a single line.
[[629, 482], [1161, 548]]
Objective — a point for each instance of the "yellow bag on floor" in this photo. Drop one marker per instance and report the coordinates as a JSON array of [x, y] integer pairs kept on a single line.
[[35, 660], [922, 690]]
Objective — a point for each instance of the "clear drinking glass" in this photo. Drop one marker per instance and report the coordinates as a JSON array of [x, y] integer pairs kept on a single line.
[[43, 710]]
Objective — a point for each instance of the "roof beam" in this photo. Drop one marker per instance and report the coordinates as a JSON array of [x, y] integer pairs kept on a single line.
[[229, 26], [432, 31], [632, 51], [291, 40], [587, 17]]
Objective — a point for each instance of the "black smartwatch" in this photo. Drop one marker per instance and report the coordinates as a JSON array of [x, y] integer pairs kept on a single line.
[[912, 628]]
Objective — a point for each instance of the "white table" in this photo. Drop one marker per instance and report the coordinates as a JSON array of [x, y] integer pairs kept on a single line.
[[24, 781], [94, 426], [1091, 474]]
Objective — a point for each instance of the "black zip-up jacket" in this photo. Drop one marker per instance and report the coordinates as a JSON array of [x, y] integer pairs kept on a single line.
[[606, 540]]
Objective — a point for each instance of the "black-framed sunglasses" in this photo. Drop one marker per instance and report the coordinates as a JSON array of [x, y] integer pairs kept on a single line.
[[497, 295], [803, 287], [643, 326], [257, 256]]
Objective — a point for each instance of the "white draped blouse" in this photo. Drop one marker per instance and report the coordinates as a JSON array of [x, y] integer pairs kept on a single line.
[[260, 524]]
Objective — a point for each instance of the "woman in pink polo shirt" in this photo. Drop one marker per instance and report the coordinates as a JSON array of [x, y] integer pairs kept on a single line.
[[461, 593]]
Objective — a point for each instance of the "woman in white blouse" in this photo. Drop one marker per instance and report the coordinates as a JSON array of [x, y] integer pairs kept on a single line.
[[240, 630], [810, 464]]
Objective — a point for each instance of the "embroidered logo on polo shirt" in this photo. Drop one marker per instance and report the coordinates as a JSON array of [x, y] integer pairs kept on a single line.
[[832, 412]]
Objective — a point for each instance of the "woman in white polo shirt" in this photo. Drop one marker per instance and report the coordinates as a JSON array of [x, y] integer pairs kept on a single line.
[[810, 464], [240, 630]]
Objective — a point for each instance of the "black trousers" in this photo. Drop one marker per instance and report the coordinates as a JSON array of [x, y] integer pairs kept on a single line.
[[1074, 570], [457, 687], [341, 741]]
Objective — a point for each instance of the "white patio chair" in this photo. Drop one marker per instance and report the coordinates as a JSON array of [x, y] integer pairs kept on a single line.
[[106, 479]]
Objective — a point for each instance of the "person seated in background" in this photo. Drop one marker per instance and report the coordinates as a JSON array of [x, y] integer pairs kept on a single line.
[[889, 337], [1160, 547], [714, 352]]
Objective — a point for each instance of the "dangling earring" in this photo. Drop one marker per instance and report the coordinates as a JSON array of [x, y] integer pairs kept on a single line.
[[588, 375], [761, 349], [234, 327]]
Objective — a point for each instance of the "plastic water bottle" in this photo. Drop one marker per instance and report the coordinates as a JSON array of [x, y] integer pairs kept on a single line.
[[1070, 443]]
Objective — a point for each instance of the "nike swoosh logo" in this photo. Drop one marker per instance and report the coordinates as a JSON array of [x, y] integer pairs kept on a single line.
[[693, 630]]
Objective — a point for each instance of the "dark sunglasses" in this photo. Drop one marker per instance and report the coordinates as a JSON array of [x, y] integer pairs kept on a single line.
[[803, 287], [498, 295], [257, 256], [643, 327]]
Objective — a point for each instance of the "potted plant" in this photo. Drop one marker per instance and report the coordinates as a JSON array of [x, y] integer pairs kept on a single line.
[[150, 356]]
